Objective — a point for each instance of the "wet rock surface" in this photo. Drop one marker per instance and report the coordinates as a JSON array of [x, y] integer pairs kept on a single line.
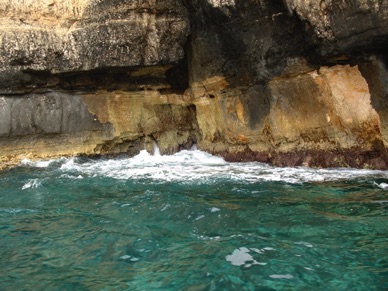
[[281, 81], [286, 82]]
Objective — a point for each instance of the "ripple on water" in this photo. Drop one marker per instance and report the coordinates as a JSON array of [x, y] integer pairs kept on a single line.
[[191, 220]]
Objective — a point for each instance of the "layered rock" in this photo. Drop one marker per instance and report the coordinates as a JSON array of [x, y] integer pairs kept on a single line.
[[54, 124], [339, 27], [286, 82], [92, 77], [77, 36], [279, 82]]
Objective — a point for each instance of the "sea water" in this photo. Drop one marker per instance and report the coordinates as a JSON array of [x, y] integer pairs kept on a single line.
[[191, 221]]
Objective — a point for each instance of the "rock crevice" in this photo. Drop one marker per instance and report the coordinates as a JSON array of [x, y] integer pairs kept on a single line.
[[287, 82]]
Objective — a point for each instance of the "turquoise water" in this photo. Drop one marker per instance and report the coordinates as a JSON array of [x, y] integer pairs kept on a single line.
[[191, 222]]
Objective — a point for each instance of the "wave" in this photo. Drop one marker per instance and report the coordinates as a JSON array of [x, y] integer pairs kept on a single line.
[[190, 166], [32, 183], [41, 163]]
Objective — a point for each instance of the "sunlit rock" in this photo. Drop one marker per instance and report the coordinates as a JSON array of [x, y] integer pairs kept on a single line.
[[293, 83]]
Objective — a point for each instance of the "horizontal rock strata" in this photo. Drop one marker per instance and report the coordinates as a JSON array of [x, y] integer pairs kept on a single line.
[[292, 83]]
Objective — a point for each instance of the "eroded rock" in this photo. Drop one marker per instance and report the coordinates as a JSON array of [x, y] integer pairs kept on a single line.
[[287, 82]]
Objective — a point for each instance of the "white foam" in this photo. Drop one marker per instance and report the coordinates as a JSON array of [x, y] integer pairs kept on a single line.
[[257, 251], [383, 186], [33, 183], [67, 176], [156, 150], [39, 164], [200, 217], [306, 244], [263, 250], [196, 166], [130, 258], [210, 238]]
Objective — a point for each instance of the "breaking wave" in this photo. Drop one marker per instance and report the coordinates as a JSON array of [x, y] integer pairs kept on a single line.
[[195, 166]]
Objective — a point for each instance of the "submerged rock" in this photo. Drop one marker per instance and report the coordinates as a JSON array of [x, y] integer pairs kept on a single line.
[[287, 82]]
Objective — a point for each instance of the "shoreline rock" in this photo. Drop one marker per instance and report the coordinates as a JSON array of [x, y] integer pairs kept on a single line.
[[292, 83]]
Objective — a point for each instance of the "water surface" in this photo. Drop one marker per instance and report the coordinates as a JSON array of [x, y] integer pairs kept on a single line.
[[191, 221]]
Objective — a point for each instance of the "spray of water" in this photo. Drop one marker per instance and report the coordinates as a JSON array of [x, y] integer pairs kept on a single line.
[[193, 165]]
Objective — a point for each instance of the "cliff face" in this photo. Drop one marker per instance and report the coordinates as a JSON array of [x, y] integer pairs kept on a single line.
[[92, 77], [71, 35], [286, 82], [291, 82]]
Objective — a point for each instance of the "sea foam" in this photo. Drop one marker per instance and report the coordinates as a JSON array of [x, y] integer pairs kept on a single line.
[[33, 183], [190, 166]]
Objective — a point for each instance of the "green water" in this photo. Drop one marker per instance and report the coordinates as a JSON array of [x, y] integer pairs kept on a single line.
[[93, 225]]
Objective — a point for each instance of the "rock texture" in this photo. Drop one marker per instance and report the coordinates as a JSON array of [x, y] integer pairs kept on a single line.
[[282, 82], [55, 124], [338, 27], [77, 36], [92, 77], [289, 82]]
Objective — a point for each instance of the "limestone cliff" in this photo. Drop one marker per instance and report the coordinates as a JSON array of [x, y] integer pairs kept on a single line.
[[288, 82], [291, 82]]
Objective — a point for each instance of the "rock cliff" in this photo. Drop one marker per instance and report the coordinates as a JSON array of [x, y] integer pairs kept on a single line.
[[287, 82]]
